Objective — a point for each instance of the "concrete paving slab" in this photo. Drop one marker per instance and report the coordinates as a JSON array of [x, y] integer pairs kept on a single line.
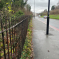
[[45, 47]]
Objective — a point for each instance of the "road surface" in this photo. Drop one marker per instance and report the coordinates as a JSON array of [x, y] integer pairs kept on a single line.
[[54, 23]]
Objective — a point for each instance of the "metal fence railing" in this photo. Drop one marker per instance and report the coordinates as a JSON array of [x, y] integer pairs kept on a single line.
[[12, 36]]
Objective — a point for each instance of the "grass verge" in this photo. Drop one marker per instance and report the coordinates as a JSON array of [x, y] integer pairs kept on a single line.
[[53, 16], [27, 50]]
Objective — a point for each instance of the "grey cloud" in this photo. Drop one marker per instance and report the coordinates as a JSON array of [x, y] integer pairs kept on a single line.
[[41, 4]]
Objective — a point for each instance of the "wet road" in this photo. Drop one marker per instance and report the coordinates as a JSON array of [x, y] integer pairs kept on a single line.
[[45, 47], [53, 22]]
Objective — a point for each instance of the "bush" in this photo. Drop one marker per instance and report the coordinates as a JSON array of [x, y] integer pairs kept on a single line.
[[19, 13], [1, 4], [56, 11]]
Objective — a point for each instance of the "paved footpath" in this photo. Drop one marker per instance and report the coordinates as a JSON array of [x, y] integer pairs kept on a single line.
[[45, 47]]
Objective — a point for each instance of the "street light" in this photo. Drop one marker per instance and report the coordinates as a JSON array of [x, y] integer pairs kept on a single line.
[[34, 8], [47, 30]]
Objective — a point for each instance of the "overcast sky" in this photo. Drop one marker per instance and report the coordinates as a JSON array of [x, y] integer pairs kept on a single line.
[[40, 5]]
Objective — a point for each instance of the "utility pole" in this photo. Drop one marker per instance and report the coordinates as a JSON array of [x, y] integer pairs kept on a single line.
[[47, 30], [34, 8]]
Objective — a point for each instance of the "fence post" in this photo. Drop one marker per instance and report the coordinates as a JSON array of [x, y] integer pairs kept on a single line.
[[15, 38], [3, 38]]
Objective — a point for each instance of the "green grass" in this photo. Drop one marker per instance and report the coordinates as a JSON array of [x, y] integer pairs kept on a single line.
[[42, 16], [53, 16]]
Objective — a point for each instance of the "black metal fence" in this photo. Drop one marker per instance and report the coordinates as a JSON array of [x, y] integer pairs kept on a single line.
[[12, 36]]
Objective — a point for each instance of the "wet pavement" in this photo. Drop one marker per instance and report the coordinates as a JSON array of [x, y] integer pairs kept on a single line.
[[45, 47]]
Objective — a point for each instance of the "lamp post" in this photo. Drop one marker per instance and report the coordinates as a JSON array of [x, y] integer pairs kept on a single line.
[[47, 30], [34, 8]]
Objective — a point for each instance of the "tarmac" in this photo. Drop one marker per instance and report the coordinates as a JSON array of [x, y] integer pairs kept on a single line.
[[45, 46]]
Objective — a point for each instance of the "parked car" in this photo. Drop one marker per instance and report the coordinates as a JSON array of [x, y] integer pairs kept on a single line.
[[45, 16]]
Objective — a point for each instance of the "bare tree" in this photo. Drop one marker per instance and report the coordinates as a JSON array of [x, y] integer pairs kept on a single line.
[[57, 7], [45, 10]]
